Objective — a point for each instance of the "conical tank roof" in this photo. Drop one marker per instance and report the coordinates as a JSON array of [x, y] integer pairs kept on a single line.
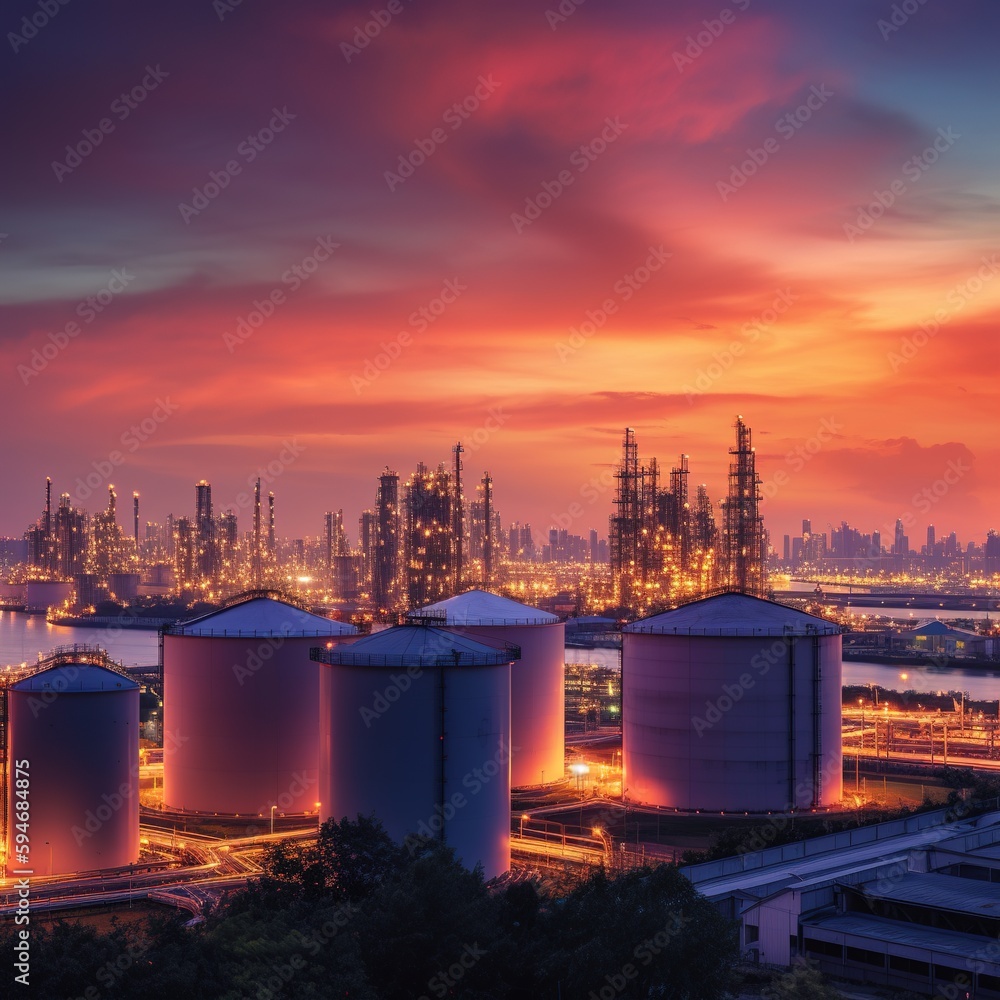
[[417, 646], [75, 678], [261, 616], [477, 607], [733, 614]]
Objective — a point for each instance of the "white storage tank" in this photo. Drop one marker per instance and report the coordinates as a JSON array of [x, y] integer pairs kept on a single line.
[[732, 703], [415, 728], [240, 715], [537, 681], [73, 747]]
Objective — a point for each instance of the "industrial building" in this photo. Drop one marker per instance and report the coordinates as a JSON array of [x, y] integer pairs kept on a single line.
[[415, 729], [69, 739], [732, 703], [908, 904], [937, 637], [665, 547], [537, 678], [239, 685]]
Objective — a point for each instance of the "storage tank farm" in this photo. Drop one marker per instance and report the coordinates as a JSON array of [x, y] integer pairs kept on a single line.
[[537, 682], [72, 753], [415, 729], [240, 688], [732, 703]]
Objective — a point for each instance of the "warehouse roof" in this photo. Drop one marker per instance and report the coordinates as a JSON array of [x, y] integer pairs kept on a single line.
[[733, 614], [477, 607], [942, 892], [892, 932]]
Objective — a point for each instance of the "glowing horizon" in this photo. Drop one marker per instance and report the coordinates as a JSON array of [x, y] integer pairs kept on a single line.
[[233, 232]]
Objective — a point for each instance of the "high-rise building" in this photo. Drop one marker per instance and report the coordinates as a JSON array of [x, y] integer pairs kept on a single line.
[[991, 553]]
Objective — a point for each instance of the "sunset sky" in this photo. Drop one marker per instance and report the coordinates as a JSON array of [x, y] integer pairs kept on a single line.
[[509, 171]]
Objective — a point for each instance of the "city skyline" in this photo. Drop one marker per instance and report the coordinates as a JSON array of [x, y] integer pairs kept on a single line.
[[918, 522], [576, 222]]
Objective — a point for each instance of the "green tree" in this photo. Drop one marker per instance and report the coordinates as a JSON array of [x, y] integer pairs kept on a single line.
[[803, 982]]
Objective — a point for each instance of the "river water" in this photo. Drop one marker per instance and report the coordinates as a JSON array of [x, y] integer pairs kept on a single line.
[[23, 637], [977, 684]]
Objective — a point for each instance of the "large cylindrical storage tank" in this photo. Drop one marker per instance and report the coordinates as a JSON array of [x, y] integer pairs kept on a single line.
[[73, 736], [732, 703], [240, 715], [415, 728], [537, 680], [40, 595]]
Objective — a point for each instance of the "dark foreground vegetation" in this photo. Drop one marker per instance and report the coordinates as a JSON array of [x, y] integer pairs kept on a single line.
[[358, 916]]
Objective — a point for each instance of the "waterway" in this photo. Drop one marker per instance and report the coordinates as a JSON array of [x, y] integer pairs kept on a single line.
[[977, 684], [23, 637]]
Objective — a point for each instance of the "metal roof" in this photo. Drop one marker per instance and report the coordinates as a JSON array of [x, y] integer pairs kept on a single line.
[[417, 646], [763, 876], [733, 615], [935, 940], [936, 627], [261, 616], [942, 892], [75, 678], [477, 607]]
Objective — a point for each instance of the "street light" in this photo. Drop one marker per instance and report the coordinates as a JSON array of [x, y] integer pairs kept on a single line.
[[272, 819], [49, 846], [520, 832], [319, 818]]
